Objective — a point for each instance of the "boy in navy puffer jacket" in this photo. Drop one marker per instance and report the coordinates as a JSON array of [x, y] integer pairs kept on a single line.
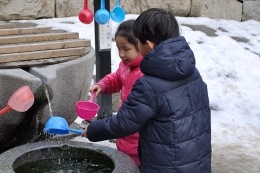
[[175, 126]]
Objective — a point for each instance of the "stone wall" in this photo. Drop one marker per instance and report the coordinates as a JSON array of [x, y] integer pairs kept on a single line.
[[222, 9], [26, 9], [239, 10], [251, 10]]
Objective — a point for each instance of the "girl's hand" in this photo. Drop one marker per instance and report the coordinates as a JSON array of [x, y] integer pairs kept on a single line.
[[95, 87], [84, 133]]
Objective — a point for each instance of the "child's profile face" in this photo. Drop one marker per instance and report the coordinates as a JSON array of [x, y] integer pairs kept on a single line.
[[144, 48], [126, 51]]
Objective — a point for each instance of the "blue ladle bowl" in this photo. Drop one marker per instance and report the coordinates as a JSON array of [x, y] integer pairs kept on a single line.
[[59, 126], [117, 14], [102, 15]]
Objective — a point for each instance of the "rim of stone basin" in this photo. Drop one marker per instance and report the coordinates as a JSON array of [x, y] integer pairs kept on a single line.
[[122, 162]]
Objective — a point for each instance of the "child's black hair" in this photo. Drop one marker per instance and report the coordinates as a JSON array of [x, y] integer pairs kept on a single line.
[[125, 29], [156, 25]]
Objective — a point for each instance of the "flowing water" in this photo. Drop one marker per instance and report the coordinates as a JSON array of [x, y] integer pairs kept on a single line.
[[49, 101], [64, 164]]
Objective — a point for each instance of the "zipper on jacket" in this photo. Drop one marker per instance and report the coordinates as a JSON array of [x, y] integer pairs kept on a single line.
[[128, 69], [127, 80]]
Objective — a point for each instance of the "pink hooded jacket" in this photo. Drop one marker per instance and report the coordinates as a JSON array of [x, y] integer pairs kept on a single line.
[[123, 79]]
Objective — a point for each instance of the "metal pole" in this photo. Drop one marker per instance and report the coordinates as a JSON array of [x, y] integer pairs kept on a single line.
[[103, 65]]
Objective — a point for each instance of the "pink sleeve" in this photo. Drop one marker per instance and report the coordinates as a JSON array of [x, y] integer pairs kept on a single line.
[[111, 83]]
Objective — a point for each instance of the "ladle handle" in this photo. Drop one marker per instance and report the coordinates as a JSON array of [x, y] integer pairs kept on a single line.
[[93, 96], [76, 131], [117, 3], [86, 4], [4, 110], [102, 5]]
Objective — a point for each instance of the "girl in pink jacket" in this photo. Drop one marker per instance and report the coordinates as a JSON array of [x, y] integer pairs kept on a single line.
[[123, 79]]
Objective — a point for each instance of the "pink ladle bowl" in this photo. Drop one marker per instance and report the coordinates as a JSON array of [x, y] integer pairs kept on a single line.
[[20, 101], [87, 109]]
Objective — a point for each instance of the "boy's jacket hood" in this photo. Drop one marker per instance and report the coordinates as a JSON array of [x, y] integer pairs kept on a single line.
[[172, 59]]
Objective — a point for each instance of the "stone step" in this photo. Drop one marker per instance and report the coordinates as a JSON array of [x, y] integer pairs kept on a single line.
[[40, 46], [21, 31], [7, 25], [80, 51], [37, 62], [37, 37]]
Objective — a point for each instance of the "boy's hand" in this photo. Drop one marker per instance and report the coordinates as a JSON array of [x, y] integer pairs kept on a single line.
[[95, 87], [84, 134]]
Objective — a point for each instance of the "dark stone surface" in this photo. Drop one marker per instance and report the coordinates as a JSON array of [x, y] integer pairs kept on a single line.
[[208, 31]]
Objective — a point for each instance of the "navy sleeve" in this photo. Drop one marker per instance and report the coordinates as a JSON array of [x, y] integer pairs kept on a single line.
[[136, 111]]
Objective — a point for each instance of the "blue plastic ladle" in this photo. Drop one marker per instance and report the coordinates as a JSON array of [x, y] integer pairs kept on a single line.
[[59, 126], [118, 14], [102, 15]]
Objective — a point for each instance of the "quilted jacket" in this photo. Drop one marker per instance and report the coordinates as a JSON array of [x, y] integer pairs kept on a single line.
[[175, 126], [123, 79]]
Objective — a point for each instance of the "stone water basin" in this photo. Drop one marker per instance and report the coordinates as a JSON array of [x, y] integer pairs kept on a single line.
[[65, 157]]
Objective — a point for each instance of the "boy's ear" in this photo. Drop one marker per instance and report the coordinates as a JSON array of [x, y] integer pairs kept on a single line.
[[150, 44]]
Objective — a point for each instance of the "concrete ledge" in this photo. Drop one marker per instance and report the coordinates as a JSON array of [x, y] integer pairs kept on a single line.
[[70, 81]]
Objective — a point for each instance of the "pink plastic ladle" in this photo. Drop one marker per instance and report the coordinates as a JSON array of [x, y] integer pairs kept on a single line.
[[87, 109], [20, 101]]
